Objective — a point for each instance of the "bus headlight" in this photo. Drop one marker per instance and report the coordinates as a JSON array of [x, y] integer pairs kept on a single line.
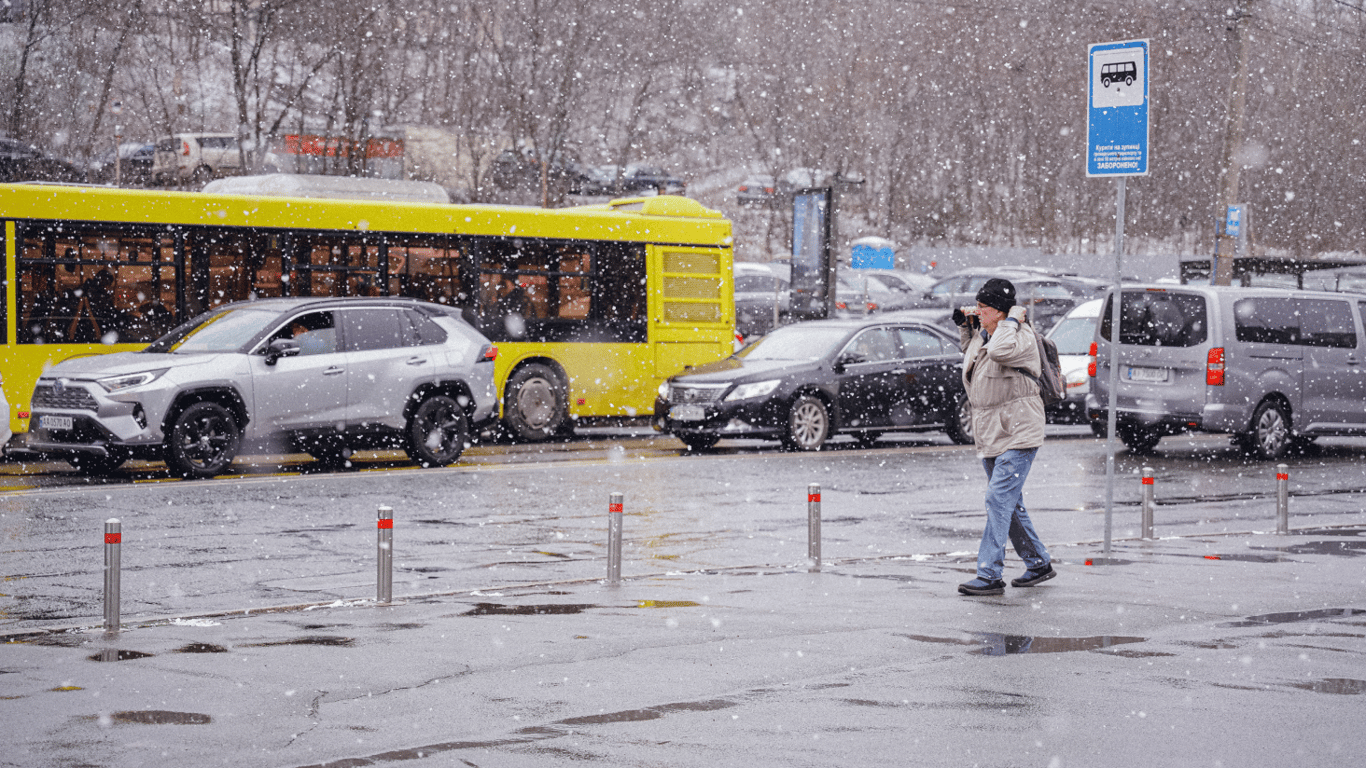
[[664, 391], [751, 391]]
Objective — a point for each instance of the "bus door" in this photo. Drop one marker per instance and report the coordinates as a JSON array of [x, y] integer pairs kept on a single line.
[[692, 310]]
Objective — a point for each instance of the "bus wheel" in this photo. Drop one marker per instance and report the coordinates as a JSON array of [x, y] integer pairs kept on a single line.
[[437, 432], [536, 406], [202, 441]]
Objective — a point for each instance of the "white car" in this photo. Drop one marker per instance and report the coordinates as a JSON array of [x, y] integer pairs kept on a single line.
[[1073, 336], [5, 433]]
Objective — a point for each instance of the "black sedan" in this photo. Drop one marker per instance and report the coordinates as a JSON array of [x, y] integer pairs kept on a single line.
[[803, 383]]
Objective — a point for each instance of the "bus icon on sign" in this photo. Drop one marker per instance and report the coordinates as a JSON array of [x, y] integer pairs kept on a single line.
[[1126, 71]]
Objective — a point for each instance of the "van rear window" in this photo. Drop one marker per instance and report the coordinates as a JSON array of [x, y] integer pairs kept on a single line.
[[1159, 319], [1303, 322]]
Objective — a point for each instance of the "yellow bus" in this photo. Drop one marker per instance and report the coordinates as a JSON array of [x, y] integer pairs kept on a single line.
[[591, 307]]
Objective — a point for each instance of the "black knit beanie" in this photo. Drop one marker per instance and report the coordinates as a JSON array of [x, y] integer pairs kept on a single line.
[[998, 293]]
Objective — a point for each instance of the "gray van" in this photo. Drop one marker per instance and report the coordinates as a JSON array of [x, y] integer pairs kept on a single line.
[[1270, 366]]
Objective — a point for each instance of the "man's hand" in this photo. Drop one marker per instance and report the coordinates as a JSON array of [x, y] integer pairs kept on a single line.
[[1017, 313]]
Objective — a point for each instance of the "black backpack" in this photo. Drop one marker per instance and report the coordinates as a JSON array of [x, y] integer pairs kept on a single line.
[[1052, 387]]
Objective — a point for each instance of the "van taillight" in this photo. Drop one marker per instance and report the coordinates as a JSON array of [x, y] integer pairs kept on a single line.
[[488, 355], [185, 148], [1091, 366], [1214, 367]]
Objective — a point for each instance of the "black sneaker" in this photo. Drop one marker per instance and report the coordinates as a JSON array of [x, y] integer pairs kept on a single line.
[[982, 587], [1034, 578]]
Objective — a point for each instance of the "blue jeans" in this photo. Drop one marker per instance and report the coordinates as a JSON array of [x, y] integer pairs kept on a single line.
[[1006, 515]]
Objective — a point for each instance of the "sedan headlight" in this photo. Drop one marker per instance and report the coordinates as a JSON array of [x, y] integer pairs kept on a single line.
[[750, 391], [129, 380]]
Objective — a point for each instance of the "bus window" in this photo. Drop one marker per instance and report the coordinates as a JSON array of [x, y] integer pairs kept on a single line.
[[231, 265], [334, 265], [428, 269], [95, 285]]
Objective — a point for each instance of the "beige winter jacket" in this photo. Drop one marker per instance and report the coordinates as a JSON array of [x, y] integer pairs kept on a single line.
[[1007, 412]]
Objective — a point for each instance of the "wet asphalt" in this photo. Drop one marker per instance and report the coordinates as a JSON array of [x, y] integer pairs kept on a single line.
[[1232, 649]]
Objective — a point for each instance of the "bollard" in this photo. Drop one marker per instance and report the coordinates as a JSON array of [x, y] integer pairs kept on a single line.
[[1282, 499], [813, 525], [614, 539], [1147, 502], [385, 570], [113, 562]]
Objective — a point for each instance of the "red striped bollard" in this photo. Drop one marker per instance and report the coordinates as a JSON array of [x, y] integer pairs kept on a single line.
[[614, 513], [813, 526], [1282, 499], [1147, 502], [113, 562], [384, 577]]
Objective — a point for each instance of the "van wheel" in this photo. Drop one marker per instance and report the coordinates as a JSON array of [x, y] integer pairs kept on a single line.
[[808, 424], [202, 175], [536, 406], [1138, 440], [202, 441], [437, 432], [959, 425], [1270, 435]]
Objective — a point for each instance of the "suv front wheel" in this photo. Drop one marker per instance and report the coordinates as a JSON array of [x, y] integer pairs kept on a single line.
[[202, 441]]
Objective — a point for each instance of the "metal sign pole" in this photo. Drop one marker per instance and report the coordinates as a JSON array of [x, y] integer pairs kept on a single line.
[[1110, 409]]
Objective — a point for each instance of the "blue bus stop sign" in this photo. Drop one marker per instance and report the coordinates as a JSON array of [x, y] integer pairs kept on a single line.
[[1117, 117]]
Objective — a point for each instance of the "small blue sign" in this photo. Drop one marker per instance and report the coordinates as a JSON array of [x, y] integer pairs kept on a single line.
[[1117, 114], [1233, 221]]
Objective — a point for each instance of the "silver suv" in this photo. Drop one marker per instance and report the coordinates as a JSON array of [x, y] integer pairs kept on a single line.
[[325, 376], [1273, 367]]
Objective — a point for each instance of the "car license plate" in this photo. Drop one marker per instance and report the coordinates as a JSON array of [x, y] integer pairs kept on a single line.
[[1148, 374], [687, 413], [55, 422]]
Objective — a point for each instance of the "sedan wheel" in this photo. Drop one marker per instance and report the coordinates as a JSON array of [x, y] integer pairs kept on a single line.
[[808, 424]]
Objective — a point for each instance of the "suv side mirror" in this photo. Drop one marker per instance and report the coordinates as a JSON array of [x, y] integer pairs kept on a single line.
[[281, 348]]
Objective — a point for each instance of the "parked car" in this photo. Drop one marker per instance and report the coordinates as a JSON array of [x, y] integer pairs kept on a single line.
[[20, 161], [134, 166], [1270, 366], [384, 372], [641, 179], [759, 291], [198, 158], [913, 288], [1046, 297], [806, 382], [1073, 335], [756, 190]]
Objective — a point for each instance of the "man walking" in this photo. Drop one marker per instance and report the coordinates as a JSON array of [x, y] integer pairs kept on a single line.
[[1001, 367]]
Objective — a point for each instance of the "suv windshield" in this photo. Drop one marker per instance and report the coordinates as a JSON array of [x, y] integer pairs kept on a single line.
[[794, 343], [227, 331]]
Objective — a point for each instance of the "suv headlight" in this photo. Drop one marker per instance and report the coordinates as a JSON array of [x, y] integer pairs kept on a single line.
[[129, 380], [750, 391]]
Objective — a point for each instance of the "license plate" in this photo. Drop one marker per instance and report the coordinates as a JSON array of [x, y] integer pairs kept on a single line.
[[687, 413], [1148, 374], [55, 422]]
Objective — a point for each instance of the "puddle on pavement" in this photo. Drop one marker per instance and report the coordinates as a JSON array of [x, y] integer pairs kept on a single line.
[[200, 648], [666, 604], [498, 609], [1245, 558], [648, 713], [1331, 532], [1321, 614], [1344, 686], [398, 626], [113, 654], [1343, 548], [160, 717], [1106, 561], [338, 642], [995, 644]]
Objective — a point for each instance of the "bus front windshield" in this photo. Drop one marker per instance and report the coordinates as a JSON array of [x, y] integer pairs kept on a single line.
[[795, 343], [228, 331]]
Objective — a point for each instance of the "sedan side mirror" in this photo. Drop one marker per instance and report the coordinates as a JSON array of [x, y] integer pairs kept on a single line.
[[281, 348], [846, 359]]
